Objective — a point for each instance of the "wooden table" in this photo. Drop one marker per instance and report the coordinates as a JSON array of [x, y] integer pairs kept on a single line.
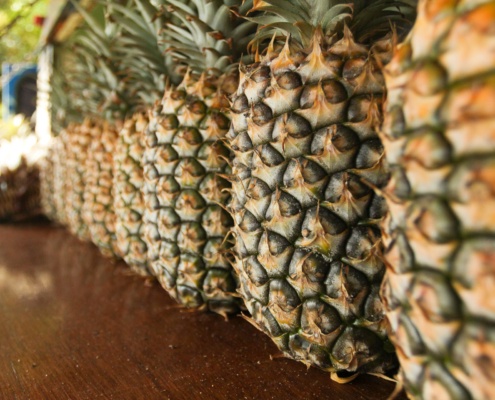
[[74, 325]]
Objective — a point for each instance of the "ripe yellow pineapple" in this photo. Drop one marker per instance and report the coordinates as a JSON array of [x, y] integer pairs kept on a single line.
[[439, 136], [185, 159], [306, 157]]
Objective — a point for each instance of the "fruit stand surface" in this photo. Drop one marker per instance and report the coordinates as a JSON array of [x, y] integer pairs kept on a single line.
[[74, 325]]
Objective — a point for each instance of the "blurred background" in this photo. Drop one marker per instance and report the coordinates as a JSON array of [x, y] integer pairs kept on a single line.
[[21, 24]]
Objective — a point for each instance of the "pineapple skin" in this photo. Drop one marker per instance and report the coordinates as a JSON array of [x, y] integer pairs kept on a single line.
[[60, 190], [78, 142], [185, 191], [98, 209], [47, 183], [128, 181], [308, 249], [439, 137]]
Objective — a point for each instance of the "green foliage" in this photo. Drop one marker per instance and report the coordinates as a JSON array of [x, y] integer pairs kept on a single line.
[[20, 41], [114, 64], [367, 20]]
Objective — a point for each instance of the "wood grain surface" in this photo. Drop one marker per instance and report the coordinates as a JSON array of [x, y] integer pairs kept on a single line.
[[74, 325]]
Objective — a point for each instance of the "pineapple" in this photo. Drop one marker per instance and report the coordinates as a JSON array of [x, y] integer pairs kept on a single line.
[[185, 160], [88, 81], [78, 141], [128, 203], [47, 183], [439, 137], [60, 176], [98, 209], [146, 70], [306, 155]]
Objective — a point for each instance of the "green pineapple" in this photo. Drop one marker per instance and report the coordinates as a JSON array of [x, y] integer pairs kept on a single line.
[[84, 85], [185, 159], [306, 155], [146, 69], [128, 200], [439, 137], [98, 209]]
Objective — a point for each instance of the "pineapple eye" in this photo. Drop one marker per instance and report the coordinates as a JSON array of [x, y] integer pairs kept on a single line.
[[358, 109], [289, 80], [356, 187], [261, 74], [429, 79], [249, 222], [197, 107], [258, 189], [230, 84], [169, 122], [289, 206], [178, 95], [255, 271], [334, 91], [353, 68], [369, 154], [344, 139], [297, 127], [394, 124], [221, 121], [311, 172], [270, 156], [276, 243], [240, 104], [308, 97], [242, 142], [190, 135], [262, 114]]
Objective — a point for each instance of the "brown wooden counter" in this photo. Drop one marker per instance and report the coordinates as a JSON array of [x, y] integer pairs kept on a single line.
[[74, 325]]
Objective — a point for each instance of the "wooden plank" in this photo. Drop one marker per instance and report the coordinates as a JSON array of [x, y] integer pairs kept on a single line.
[[74, 325]]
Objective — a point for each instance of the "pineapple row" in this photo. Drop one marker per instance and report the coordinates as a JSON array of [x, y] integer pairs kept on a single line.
[[272, 179]]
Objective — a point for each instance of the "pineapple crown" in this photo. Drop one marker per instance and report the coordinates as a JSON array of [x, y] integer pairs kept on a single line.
[[300, 19], [85, 79], [115, 63], [211, 36], [145, 63]]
